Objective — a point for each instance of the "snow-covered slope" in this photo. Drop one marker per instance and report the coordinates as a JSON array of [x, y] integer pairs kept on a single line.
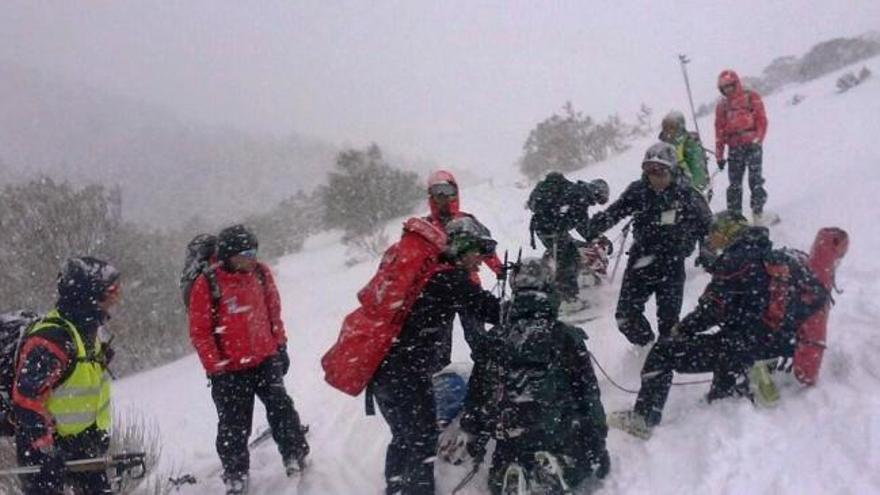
[[822, 165]]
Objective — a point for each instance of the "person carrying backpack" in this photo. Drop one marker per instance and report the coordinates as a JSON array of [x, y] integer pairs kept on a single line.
[[688, 150], [402, 384], [61, 393], [248, 358], [540, 401], [559, 205], [758, 314], [741, 125], [668, 218]]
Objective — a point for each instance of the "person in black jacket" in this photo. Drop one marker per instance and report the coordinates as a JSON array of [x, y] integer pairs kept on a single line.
[[61, 392], [668, 218], [736, 301], [402, 385], [559, 205], [538, 397]]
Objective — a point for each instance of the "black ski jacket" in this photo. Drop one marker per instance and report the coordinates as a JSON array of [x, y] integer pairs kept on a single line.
[[425, 341], [666, 223], [738, 293]]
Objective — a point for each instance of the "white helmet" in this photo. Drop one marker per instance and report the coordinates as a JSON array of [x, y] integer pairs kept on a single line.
[[662, 153]]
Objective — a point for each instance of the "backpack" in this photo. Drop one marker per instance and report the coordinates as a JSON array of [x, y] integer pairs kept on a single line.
[[556, 203], [534, 389], [795, 293], [13, 327]]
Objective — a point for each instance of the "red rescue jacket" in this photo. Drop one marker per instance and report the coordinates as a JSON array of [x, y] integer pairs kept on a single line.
[[247, 328], [739, 118], [368, 332]]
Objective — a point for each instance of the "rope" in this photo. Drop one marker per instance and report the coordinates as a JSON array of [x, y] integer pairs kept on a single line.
[[630, 391]]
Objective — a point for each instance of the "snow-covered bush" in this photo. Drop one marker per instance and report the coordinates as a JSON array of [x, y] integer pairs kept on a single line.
[[364, 191]]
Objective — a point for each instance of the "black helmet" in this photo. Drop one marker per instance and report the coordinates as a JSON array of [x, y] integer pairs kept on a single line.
[[234, 240], [85, 279], [467, 234]]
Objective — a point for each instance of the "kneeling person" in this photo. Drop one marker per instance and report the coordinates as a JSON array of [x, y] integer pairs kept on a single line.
[[541, 402]]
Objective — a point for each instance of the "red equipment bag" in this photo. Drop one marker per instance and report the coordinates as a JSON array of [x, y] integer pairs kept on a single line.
[[368, 332], [828, 249]]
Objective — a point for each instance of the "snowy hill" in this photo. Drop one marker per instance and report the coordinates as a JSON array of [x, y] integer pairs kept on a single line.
[[822, 165]]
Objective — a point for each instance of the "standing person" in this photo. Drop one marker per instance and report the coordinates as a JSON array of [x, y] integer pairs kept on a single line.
[[559, 205], [61, 396], [668, 218], [740, 125], [402, 385], [692, 164], [688, 150], [540, 401], [443, 201], [248, 358], [741, 301]]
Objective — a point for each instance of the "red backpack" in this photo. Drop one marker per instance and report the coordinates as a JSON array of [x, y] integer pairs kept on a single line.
[[368, 332]]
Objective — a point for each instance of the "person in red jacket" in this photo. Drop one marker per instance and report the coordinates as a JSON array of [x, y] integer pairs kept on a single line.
[[740, 125], [235, 325], [443, 201]]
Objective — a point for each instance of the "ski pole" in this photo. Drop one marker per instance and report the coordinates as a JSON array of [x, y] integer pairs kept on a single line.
[[687, 84], [624, 235], [131, 463]]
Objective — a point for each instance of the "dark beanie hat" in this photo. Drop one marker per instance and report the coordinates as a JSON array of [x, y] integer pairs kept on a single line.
[[234, 240], [85, 279]]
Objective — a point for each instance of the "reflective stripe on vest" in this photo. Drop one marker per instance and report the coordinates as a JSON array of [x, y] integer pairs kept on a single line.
[[83, 399]]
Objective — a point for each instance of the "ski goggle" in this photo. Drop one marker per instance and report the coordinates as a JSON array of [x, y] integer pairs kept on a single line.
[[248, 253], [653, 168], [443, 189], [725, 88]]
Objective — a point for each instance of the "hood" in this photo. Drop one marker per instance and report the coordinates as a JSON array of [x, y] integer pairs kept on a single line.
[[440, 177], [729, 76]]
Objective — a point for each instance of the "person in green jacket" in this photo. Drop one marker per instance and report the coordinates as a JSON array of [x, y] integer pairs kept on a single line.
[[688, 149]]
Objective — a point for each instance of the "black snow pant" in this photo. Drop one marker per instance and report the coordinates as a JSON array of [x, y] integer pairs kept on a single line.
[[233, 395], [88, 444], [662, 277], [742, 158], [407, 404], [567, 263], [728, 355]]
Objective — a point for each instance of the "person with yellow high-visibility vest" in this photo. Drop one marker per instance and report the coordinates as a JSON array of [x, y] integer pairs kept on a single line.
[[61, 395]]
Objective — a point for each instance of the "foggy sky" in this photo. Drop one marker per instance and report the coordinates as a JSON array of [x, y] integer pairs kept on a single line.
[[458, 82]]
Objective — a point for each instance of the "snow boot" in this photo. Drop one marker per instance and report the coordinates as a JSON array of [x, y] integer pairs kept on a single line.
[[548, 478], [630, 422], [514, 481], [294, 465], [236, 484], [762, 386]]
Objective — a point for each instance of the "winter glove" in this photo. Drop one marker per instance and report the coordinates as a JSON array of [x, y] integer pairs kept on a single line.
[[721, 163], [601, 464], [283, 359]]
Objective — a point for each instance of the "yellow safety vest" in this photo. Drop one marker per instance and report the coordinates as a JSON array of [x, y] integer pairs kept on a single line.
[[83, 399]]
